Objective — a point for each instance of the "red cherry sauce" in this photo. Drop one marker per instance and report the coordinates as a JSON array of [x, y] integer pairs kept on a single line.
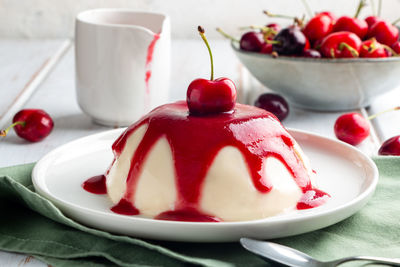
[[149, 59], [196, 140], [96, 185]]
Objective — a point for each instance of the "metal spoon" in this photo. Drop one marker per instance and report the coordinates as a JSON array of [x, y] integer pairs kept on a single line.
[[290, 257]]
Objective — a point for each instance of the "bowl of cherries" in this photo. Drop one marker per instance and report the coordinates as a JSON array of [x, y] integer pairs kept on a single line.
[[325, 63]]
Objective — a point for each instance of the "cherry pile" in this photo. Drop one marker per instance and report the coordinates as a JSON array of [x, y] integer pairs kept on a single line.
[[325, 35]]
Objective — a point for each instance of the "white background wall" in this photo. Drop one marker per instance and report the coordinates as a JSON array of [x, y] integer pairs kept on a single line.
[[55, 18]]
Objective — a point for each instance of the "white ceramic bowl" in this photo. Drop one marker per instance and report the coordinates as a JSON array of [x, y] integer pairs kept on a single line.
[[324, 84]]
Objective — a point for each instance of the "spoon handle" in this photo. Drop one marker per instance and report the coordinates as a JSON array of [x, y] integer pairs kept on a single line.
[[393, 262]]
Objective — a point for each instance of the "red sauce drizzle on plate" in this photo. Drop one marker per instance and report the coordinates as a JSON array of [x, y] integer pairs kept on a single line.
[[96, 185]]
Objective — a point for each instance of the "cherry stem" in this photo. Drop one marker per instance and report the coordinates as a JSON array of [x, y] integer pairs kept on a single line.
[[273, 42], [396, 21], [203, 36], [307, 7], [388, 48], [361, 5], [379, 8], [351, 49], [269, 14], [264, 29], [3, 133], [230, 37], [373, 8], [382, 112]]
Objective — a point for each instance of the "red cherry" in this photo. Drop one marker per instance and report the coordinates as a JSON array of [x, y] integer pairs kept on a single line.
[[384, 32], [341, 45], [210, 96], [390, 147], [351, 128], [329, 14], [266, 49], [252, 41], [31, 124], [318, 27], [273, 103], [372, 49], [371, 20], [350, 24], [205, 96], [396, 47]]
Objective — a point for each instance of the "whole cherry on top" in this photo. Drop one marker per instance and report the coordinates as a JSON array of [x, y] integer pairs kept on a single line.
[[341, 45], [210, 96], [31, 124], [289, 41]]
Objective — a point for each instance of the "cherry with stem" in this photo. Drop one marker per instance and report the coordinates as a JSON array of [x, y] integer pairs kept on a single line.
[[206, 97]]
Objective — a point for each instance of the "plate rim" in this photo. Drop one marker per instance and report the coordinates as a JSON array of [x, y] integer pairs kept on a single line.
[[364, 195]]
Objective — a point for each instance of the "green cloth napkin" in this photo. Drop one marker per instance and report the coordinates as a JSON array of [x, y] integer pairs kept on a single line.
[[30, 224]]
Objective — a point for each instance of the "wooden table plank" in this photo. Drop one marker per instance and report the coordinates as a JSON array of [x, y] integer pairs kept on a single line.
[[24, 66], [387, 125]]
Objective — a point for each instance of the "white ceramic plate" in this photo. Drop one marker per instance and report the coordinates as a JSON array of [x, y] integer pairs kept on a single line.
[[348, 175]]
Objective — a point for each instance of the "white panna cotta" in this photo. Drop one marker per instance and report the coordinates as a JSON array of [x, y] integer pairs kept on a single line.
[[227, 167]]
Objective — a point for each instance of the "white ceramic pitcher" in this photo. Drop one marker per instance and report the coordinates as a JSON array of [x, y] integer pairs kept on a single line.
[[122, 64]]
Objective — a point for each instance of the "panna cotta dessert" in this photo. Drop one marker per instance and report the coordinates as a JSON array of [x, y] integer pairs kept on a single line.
[[208, 159]]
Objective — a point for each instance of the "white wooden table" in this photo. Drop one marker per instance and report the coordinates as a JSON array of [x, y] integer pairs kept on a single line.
[[40, 74]]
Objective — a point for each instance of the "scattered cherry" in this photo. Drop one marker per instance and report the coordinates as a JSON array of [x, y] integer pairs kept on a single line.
[[341, 45], [210, 96], [318, 27], [273, 103], [390, 147], [384, 32], [31, 124], [312, 53], [351, 128], [289, 41], [372, 49], [252, 41]]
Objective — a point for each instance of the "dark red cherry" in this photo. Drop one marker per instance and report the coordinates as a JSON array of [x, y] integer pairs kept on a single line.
[[351, 128], [384, 32], [252, 41], [350, 24], [318, 27], [311, 53], [31, 124], [390, 147], [210, 96], [273, 103], [206, 96], [289, 41]]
